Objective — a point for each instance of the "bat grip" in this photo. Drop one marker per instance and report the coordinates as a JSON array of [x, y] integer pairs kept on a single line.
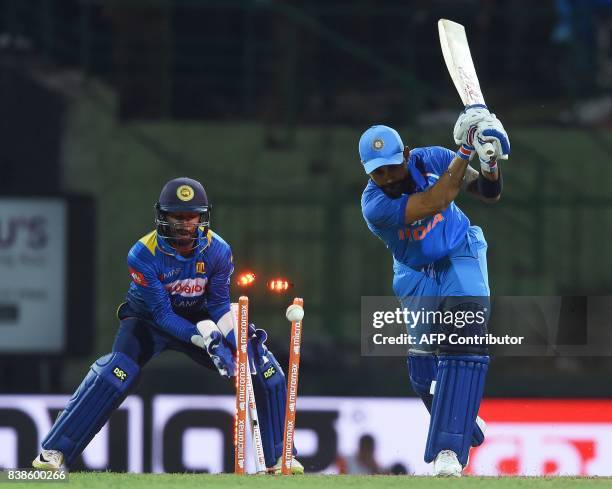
[[485, 151]]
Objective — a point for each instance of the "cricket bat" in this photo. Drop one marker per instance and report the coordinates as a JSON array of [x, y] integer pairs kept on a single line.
[[458, 59]]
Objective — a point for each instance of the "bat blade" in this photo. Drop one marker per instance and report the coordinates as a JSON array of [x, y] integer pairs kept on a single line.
[[458, 59]]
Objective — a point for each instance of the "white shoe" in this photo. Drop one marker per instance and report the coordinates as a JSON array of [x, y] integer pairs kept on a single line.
[[296, 467], [49, 460], [447, 465]]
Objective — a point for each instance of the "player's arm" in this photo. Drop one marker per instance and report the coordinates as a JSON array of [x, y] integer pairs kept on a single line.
[[217, 333], [475, 127], [218, 300], [156, 298], [486, 185], [440, 195]]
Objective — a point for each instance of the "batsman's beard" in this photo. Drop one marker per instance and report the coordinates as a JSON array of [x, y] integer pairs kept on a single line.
[[396, 189]]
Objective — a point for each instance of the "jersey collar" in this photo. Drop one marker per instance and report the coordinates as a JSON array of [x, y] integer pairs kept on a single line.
[[417, 176]]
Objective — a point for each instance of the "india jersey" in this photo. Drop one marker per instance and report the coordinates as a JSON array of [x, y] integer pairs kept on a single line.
[[175, 291], [421, 242]]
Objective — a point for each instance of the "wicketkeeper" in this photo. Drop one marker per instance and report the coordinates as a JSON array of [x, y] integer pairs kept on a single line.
[[439, 263], [179, 299]]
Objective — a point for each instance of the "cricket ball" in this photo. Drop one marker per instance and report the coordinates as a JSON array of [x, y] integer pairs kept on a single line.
[[295, 313]]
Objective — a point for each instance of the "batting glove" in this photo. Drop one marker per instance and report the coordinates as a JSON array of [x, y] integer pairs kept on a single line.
[[490, 130], [469, 117]]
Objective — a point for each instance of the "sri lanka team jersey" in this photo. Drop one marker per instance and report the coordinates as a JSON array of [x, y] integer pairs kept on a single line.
[[175, 291], [421, 242]]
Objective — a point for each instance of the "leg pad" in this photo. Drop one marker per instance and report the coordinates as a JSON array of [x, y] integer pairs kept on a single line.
[[103, 389], [423, 369], [270, 387], [459, 389]]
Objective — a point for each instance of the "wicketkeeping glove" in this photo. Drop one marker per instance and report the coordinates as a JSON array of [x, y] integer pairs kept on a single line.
[[219, 350], [221, 354]]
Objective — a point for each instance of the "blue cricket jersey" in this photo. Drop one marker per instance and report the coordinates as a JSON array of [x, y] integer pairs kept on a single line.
[[172, 290], [421, 242]]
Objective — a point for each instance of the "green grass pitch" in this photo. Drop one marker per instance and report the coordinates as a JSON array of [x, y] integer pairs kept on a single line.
[[103, 480]]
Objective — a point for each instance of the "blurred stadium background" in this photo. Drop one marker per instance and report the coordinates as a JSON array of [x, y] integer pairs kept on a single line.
[[102, 101]]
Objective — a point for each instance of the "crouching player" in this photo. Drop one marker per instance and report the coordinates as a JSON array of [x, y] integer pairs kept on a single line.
[[179, 299], [439, 263]]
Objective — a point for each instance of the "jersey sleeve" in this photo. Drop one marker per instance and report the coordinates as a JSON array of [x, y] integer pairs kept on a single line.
[[219, 284], [156, 297], [382, 211], [439, 159]]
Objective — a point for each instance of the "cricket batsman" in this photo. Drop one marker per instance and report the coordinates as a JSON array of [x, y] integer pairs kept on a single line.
[[179, 299], [439, 261]]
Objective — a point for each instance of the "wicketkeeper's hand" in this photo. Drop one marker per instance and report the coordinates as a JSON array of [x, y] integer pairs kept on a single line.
[[217, 347]]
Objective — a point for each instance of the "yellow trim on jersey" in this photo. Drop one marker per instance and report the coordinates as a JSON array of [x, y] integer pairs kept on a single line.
[[150, 241], [209, 235]]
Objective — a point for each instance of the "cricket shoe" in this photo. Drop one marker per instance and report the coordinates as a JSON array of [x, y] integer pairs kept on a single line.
[[296, 467], [49, 460], [447, 465]]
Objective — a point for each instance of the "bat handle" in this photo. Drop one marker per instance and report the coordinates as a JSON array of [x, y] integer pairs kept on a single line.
[[485, 151]]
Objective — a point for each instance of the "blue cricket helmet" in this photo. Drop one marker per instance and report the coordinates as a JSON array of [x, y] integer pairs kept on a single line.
[[182, 195]]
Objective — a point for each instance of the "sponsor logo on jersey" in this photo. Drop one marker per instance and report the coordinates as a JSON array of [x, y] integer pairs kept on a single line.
[[138, 277], [200, 268], [189, 287], [170, 273], [417, 230]]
